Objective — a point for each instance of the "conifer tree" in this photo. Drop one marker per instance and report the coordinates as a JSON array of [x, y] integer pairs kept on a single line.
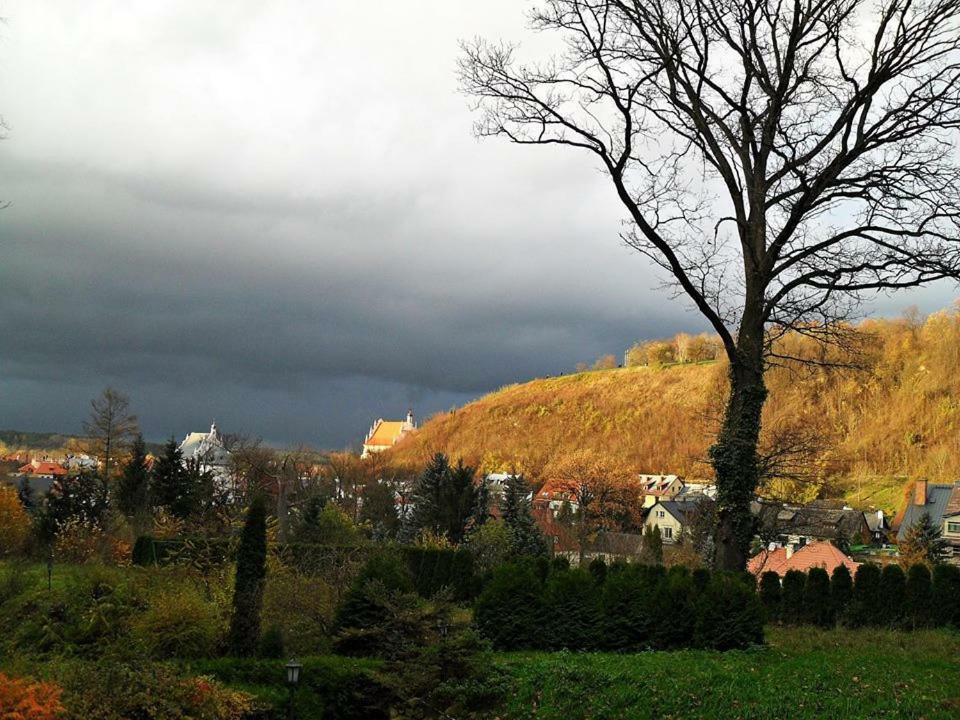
[[515, 508], [170, 484], [244, 634], [919, 597], [893, 592], [816, 598], [921, 543], [946, 595], [447, 500], [133, 487], [866, 605], [841, 591], [791, 603], [27, 495], [770, 594], [652, 550]]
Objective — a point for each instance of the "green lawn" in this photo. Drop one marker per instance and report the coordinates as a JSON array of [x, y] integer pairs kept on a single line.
[[802, 673]]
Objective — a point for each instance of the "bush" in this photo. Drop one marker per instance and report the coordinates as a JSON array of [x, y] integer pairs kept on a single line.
[[571, 611], [946, 595], [918, 604], [841, 591], [791, 603], [491, 545], [816, 598], [358, 609], [15, 523], [28, 700], [180, 623], [144, 553], [770, 594], [671, 607], [559, 564], [437, 569], [301, 607], [728, 614], [508, 611], [893, 593], [866, 605]]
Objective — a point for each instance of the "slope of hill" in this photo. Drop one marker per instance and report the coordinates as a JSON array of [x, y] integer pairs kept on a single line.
[[868, 430]]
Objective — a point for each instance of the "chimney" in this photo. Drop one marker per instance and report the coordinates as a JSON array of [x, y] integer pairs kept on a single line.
[[410, 423], [920, 493], [789, 548]]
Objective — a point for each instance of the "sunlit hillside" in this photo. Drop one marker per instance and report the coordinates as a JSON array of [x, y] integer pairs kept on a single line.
[[895, 417]]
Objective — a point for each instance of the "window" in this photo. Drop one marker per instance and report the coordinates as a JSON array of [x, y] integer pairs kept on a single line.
[[660, 513], [668, 533], [953, 527]]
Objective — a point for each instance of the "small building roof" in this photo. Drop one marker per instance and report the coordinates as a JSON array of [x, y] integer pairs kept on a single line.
[[683, 509], [385, 433], [938, 498], [816, 554], [43, 467]]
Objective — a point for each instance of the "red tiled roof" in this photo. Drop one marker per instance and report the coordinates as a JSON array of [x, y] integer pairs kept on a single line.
[[43, 467], [556, 490], [815, 554]]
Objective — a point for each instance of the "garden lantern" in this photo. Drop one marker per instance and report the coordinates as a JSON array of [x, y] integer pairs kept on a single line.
[[293, 672]]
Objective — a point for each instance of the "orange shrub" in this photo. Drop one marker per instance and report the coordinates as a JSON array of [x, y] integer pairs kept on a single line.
[[26, 700]]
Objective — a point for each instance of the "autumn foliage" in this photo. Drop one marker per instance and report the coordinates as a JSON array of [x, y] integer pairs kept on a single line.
[[14, 522], [891, 414], [27, 700]]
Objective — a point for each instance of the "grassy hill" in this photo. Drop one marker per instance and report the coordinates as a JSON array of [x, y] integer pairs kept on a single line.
[[893, 418]]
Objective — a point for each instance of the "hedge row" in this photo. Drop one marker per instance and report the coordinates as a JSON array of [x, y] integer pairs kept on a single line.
[[873, 598], [431, 568], [627, 608]]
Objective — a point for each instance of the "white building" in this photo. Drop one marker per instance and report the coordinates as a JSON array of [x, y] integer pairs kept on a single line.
[[208, 451], [384, 434]]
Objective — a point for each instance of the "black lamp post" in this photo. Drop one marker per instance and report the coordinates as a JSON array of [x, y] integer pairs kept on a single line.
[[293, 679]]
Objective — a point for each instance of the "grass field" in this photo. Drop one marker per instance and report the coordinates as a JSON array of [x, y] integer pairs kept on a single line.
[[802, 673]]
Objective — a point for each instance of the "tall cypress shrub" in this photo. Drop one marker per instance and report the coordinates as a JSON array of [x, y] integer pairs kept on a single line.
[[770, 595], [866, 605], [133, 486], [598, 568], [816, 598], [918, 607], [728, 614], [627, 623], [893, 591], [791, 604], [244, 634], [841, 591], [673, 610], [946, 595]]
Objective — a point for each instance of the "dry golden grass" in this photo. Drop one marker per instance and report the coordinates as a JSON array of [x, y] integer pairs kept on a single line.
[[895, 419]]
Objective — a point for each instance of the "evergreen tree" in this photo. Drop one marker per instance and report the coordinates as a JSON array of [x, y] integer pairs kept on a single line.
[[379, 510], [171, 486], [816, 598], [918, 605], [946, 595], [515, 508], [893, 592], [770, 594], [866, 605], [83, 498], [244, 636], [652, 550], [841, 591], [791, 603], [446, 500], [921, 543], [133, 487]]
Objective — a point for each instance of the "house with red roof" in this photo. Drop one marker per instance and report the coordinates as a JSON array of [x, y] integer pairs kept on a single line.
[[44, 469], [384, 434], [812, 555]]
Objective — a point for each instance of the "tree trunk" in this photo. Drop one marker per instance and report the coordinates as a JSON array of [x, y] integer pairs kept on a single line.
[[734, 455]]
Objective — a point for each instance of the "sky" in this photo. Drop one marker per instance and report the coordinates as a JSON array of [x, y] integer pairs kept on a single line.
[[276, 216]]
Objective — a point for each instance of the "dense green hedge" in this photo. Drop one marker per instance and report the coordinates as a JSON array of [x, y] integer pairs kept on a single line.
[[635, 607], [876, 597]]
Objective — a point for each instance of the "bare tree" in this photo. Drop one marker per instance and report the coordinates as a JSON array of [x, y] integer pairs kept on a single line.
[[110, 426], [779, 161]]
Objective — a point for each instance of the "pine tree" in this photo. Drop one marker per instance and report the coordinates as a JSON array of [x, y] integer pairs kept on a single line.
[[770, 594], [921, 543], [525, 537], [919, 597], [893, 591], [447, 500], [791, 598], [244, 634], [170, 484], [27, 495], [133, 487]]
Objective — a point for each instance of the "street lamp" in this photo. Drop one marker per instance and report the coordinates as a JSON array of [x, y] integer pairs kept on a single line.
[[293, 679]]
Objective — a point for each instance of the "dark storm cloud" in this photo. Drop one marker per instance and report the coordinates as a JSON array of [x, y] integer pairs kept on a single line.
[[277, 217]]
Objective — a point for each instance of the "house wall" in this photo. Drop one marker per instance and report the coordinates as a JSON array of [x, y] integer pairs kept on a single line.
[[670, 527]]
